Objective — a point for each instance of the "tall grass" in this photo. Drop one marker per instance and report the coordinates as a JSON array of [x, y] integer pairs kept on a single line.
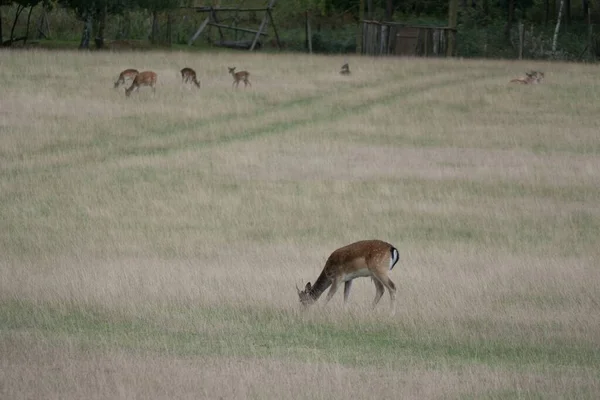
[[150, 245]]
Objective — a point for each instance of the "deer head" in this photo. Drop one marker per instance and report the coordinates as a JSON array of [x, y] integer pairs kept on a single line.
[[305, 298]]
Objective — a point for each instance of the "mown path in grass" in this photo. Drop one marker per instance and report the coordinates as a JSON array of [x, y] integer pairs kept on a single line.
[[326, 106]]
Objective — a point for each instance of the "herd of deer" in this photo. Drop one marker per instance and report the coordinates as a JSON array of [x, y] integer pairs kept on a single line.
[[149, 78], [366, 258]]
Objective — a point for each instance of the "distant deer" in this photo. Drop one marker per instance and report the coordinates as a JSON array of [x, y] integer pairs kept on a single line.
[[239, 76], [367, 258], [345, 69], [127, 74], [189, 75], [531, 77], [146, 78]]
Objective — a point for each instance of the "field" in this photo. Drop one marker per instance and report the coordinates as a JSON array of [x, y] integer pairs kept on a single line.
[[150, 246]]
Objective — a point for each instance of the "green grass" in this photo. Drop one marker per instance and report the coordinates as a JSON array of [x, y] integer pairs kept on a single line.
[[256, 332]]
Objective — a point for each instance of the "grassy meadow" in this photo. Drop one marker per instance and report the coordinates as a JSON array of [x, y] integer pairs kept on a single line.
[[150, 246]]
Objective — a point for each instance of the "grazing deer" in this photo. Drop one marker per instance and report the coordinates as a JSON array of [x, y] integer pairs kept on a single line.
[[189, 75], [367, 258], [239, 76], [127, 74], [146, 78], [531, 77], [345, 69]]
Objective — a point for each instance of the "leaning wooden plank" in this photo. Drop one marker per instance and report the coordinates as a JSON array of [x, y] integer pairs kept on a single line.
[[236, 28], [274, 29], [199, 31], [260, 29]]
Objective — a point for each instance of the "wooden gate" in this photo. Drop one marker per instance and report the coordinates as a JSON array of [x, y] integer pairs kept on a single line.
[[391, 38]]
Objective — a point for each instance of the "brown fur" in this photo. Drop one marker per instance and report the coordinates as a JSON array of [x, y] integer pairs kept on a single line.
[[146, 78], [130, 73], [239, 76], [366, 258], [189, 75], [532, 77]]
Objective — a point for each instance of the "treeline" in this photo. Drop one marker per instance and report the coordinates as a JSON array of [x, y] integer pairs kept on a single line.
[[564, 29], [93, 15]]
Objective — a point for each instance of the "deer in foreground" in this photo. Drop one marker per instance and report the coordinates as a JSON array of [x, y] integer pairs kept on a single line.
[[366, 258], [146, 78], [189, 75], [126, 74], [345, 69], [239, 76], [531, 77]]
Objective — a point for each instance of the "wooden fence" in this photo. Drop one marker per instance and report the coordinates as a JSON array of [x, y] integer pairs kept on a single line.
[[391, 38]]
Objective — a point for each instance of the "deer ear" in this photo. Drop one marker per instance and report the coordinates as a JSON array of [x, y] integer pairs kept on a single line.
[[307, 287]]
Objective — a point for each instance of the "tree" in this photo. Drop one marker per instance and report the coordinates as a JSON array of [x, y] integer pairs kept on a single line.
[[93, 13], [510, 16], [555, 38], [155, 7], [21, 6], [2, 3]]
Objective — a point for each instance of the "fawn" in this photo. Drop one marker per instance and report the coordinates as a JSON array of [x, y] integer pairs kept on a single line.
[[239, 76], [187, 75], [126, 74], [146, 78]]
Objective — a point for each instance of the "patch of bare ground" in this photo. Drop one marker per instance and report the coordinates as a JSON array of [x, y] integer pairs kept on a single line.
[[33, 368]]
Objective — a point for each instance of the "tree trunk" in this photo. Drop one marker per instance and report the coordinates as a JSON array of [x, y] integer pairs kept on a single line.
[[169, 30], [555, 38], [87, 32], [1, 36], [369, 10], [485, 7], [452, 23], [510, 16], [590, 33], [389, 10], [154, 29], [99, 39], [359, 31], [27, 29], [42, 25], [20, 9], [585, 4], [546, 12], [567, 12]]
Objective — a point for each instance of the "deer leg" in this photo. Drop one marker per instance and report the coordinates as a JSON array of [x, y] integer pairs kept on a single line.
[[347, 287], [379, 290], [387, 282], [334, 288]]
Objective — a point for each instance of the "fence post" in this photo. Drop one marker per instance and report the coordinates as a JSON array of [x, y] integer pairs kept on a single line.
[[383, 42], [360, 34]]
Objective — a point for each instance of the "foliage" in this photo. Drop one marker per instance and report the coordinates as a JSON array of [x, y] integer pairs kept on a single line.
[[482, 24]]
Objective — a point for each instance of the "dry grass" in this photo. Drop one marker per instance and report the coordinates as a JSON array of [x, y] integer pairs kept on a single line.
[[150, 246]]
